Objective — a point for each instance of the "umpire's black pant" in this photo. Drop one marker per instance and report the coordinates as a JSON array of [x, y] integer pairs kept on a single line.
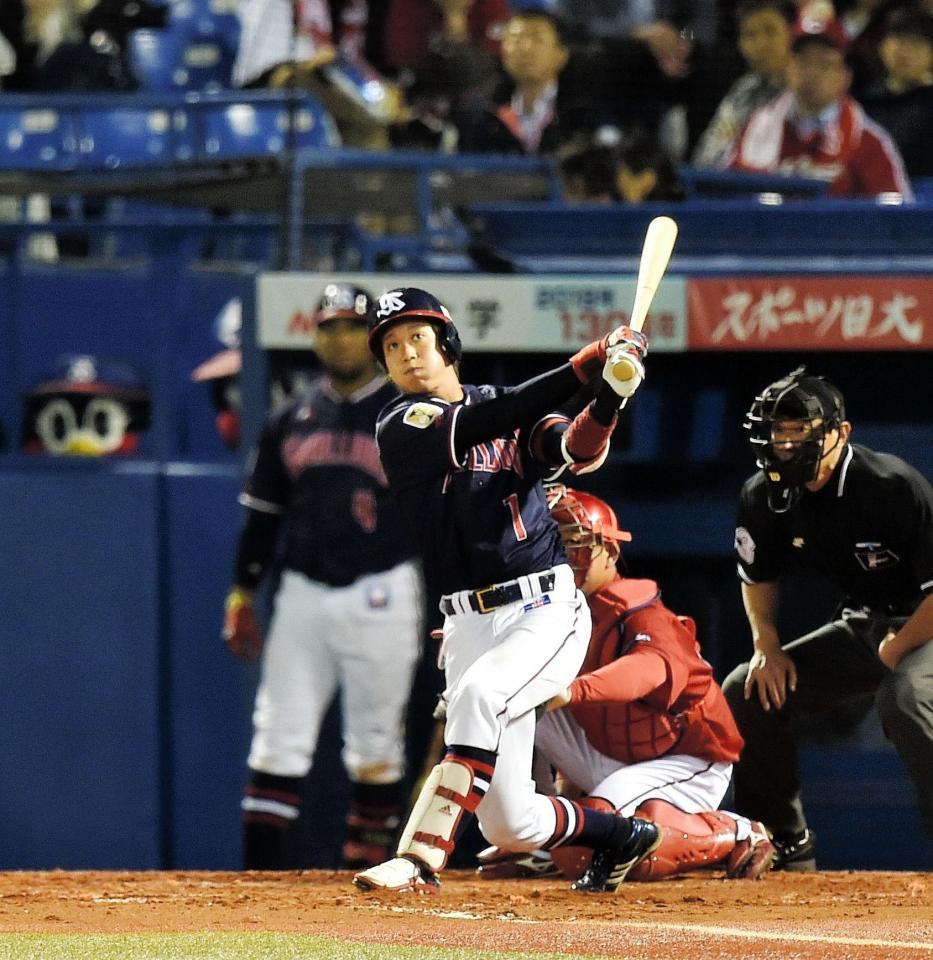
[[836, 664]]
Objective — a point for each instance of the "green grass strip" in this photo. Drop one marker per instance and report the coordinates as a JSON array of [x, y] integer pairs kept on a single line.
[[233, 946]]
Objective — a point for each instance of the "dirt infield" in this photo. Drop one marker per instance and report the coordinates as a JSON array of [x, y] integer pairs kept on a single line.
[[823, 916]]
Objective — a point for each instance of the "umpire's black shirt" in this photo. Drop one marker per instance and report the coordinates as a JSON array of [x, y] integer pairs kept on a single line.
[[869, 530]]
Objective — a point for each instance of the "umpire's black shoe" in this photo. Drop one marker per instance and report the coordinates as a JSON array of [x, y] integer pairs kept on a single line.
[[611, 865], [794, 852]]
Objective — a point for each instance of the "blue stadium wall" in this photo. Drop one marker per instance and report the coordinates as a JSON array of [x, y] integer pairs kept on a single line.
[[125, 724]]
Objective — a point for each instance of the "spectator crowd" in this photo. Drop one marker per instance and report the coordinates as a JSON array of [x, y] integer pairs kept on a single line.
[[618, 94]]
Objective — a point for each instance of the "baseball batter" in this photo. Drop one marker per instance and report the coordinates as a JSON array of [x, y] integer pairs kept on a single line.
[[348, 607], [864, 520], [466, 464], [644, 728]]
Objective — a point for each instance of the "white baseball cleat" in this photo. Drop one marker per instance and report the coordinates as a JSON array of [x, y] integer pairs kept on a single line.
[[399, 875], [496, 864]]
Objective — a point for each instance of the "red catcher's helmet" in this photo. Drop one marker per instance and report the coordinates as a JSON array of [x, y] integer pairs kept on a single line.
[[586, 523]]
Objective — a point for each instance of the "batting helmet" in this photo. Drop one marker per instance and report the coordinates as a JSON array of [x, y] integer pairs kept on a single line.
[[342, 300], [586, 523], [409, 303], [789, 462]]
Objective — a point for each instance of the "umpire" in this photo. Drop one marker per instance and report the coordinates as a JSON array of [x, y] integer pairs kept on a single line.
[[864, 520]]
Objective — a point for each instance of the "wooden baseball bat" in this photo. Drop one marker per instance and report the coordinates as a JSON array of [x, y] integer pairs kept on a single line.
[[655, 256]]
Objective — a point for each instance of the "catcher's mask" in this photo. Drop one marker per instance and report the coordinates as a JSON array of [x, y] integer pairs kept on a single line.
[[587, 525], [787, 424], [410, 303]]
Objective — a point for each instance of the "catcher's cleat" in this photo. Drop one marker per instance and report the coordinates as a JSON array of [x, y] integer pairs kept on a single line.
[[496, 864], [794, 852], [611, 865], [752, 857], [399, 875]]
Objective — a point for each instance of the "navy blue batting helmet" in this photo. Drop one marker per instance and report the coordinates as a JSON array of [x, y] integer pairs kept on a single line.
[[409, 303]]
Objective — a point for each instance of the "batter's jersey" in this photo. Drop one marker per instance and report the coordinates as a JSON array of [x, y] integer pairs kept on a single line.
[[869, 530], [481, 520], [318, 464], [686, 713]]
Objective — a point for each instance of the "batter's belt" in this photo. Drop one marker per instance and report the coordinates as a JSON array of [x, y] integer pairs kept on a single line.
[[490, 598]]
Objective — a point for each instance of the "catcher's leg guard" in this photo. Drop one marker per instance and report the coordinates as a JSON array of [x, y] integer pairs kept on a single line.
[[690, 840], [752, 857]]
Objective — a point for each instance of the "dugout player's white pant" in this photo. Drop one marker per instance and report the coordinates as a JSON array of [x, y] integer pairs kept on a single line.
[[689, 783], [499, 666], [365, 639]]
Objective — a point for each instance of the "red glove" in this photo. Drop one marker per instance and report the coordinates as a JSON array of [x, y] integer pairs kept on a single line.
[[241, 632]]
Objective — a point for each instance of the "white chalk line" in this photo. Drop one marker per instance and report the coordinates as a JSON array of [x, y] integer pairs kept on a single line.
[[737, 932]]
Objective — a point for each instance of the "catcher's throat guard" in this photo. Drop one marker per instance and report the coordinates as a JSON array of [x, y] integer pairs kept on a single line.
[[787, 424]]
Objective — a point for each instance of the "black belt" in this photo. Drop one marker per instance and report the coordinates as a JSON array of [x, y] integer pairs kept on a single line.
[[499, 594]]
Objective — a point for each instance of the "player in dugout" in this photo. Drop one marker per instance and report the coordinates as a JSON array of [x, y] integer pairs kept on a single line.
[[348, 603], [863, 521], [644, 729], [466, 463]]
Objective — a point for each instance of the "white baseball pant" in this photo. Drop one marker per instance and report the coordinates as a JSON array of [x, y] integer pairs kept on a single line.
[[689, 783], [499, 666], [364, 638]]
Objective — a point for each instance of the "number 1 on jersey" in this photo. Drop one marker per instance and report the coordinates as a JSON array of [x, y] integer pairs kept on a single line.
[[511, 501]]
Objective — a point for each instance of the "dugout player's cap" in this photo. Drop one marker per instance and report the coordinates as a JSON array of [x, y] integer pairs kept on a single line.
[[410, 303], [342, 300], [586, 525], [788, 466]]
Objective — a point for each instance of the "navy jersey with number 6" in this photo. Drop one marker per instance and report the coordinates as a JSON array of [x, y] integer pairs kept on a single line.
[[481, 519], [317, 462]]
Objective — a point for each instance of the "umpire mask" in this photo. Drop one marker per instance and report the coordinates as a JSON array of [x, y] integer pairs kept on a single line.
[[787, 424]]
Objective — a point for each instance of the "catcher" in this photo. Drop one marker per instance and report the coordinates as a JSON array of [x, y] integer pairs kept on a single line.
[[644, 729]]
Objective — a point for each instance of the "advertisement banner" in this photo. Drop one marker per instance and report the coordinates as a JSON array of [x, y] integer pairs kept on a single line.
[[843, 312], [544, 314]]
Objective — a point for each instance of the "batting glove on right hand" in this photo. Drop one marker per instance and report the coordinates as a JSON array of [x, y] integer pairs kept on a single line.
[[241, 631]]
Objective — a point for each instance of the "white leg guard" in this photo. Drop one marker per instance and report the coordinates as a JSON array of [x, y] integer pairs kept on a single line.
[[432, 826]]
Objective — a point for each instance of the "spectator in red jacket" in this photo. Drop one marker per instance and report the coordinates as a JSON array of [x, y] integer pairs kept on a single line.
[[816, 129]]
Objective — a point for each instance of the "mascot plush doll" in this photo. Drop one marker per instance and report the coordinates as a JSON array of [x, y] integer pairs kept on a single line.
[[86, 406]]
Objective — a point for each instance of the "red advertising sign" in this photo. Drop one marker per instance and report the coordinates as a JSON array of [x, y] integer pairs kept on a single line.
[[810, 313]]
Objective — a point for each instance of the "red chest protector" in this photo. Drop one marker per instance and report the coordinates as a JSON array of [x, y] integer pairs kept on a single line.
[[686, 714]]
